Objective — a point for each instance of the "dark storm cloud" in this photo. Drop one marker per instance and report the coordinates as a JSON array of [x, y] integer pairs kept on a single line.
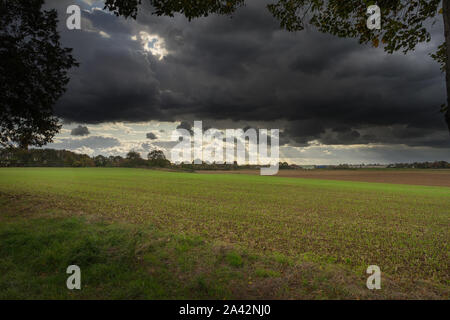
[[108, 23], [80, 131], [112, 84], [185, 125], [168, 145], [318, 87], [151, 136]]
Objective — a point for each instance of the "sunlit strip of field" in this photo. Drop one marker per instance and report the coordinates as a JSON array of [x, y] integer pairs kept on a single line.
[[247, 236]]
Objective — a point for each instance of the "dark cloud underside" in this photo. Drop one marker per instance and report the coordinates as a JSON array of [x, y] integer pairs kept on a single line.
[[80, 131], [318, 87]]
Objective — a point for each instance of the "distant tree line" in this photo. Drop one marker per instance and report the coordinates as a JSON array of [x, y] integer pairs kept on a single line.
[[422, 165], [411, 165], [18, 157]]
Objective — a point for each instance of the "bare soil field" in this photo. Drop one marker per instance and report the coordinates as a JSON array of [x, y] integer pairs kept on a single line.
[[440, 178]]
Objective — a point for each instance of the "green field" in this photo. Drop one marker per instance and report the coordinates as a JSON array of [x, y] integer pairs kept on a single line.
[[163, 235]]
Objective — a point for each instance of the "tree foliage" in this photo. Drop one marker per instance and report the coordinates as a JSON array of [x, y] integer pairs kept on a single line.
[[157, 158], [133, 155], [33, 73], [189, 8], [403, 21], [156, 155]]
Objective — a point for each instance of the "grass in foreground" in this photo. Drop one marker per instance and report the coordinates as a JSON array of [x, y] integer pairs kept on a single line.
[[147, 234], [121, 261]]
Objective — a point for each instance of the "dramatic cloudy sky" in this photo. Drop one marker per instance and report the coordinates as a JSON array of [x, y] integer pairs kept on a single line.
[[333, 99]]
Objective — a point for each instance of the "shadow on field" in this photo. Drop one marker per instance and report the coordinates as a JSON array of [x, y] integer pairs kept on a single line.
[[126, 261]]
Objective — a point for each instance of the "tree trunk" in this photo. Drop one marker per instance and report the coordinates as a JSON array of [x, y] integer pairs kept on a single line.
[[446, 14]]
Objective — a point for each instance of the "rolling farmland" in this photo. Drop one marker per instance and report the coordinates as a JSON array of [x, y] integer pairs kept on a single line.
[[155, 234]]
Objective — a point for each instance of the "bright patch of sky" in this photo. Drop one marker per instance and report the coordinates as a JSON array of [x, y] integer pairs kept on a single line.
[[120, 137], [152, 43]]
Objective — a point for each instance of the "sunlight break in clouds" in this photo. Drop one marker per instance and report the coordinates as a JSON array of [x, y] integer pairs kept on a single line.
[[152, 43]]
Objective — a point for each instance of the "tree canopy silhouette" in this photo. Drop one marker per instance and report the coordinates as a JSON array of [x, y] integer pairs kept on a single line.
[[156, 155], [189, 8], [33, 73], [157, 158], [404, 23]]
